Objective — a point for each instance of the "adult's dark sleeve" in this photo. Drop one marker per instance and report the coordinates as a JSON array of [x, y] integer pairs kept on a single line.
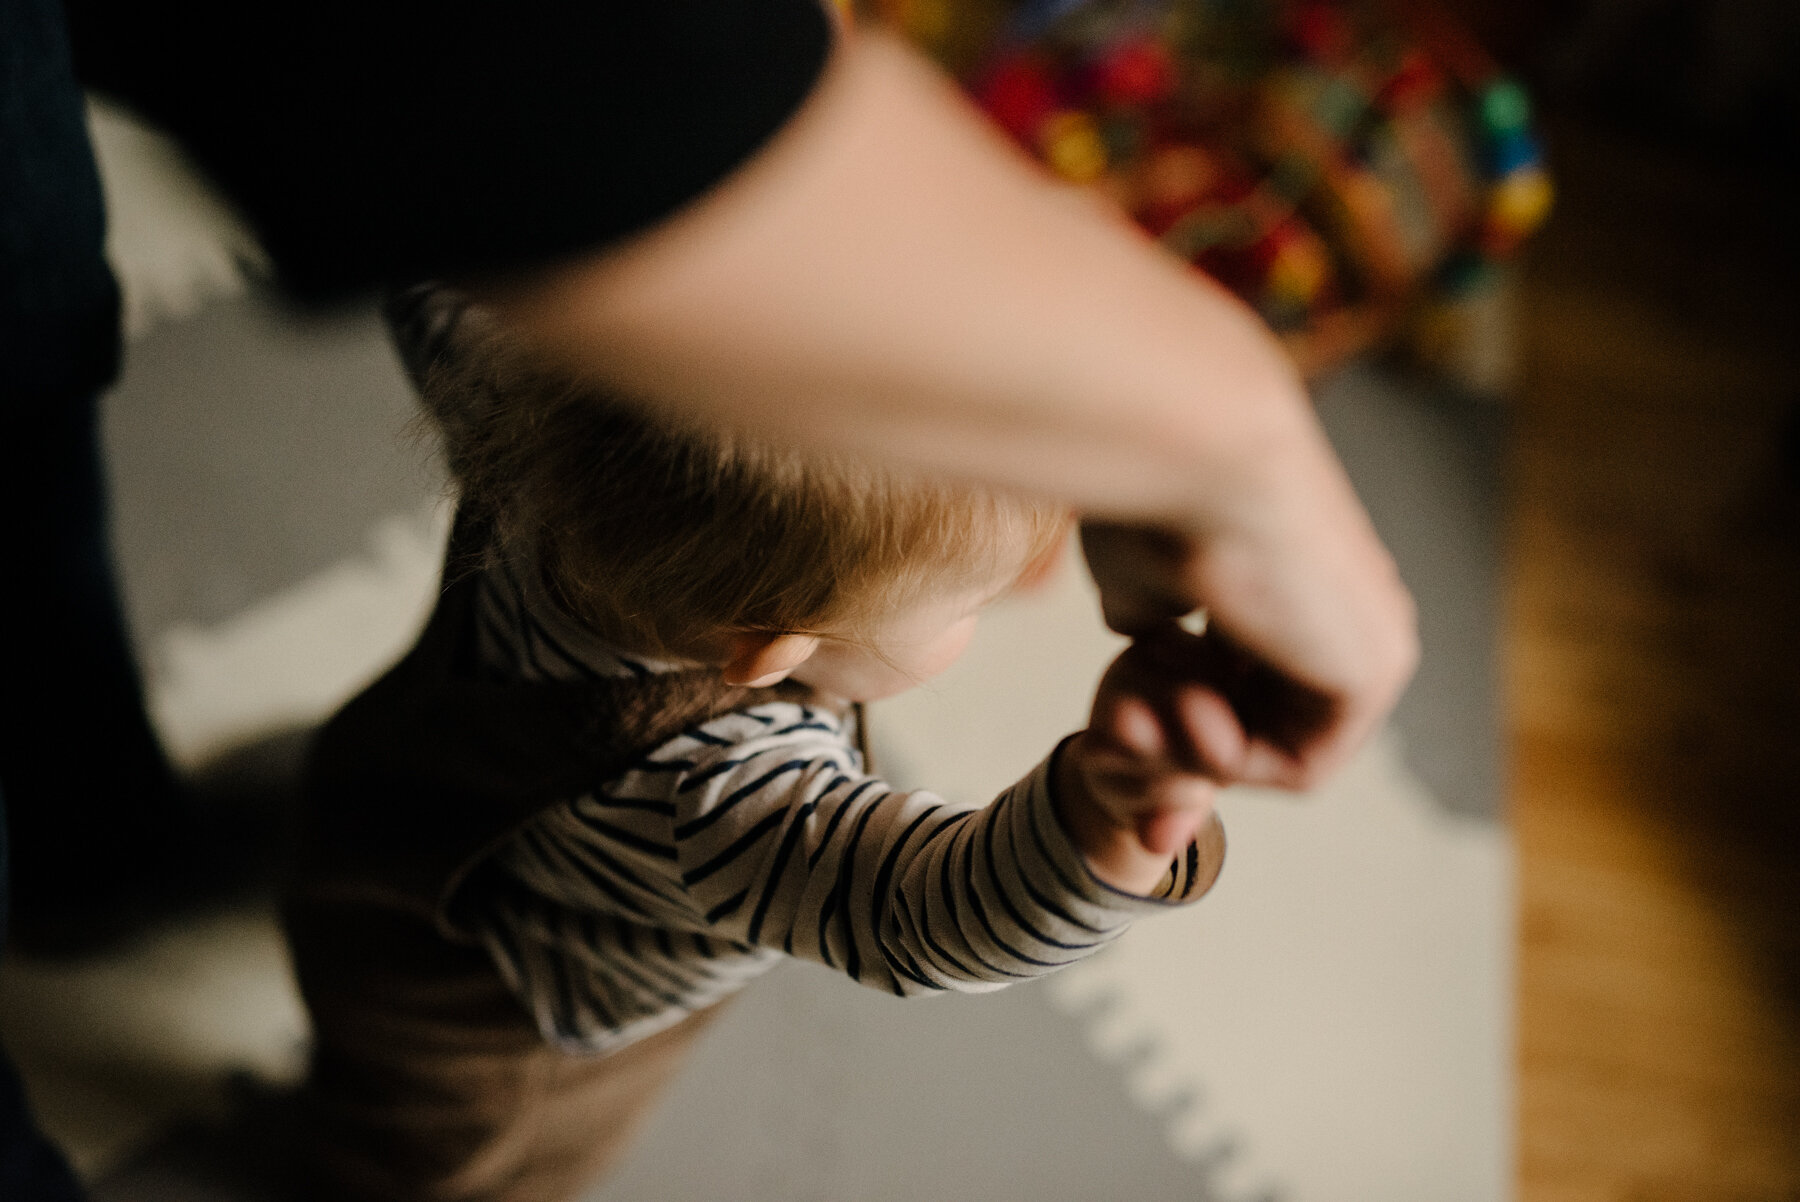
[[378, 141]]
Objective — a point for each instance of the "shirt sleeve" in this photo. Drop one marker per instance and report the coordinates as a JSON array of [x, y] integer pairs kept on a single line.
[[771, 838], [383, 141]]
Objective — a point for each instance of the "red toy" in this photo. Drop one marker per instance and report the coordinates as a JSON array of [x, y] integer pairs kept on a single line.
[[1334, 164]]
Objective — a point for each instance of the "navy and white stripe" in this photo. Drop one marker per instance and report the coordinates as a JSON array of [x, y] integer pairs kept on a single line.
[[757, 835]]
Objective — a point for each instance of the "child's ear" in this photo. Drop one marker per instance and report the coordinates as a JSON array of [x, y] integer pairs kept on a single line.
[[760, 659]]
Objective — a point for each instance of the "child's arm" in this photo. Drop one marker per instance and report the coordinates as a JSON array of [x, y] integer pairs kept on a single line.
[[759, 833], [1137, 786]]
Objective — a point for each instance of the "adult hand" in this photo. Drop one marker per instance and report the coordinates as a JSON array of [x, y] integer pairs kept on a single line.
[[1310, 635]]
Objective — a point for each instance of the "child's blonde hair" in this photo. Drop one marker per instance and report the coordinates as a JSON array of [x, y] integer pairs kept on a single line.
[[660, 536]]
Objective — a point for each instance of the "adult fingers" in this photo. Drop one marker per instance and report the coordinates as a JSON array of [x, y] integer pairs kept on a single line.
[[1308, 652], [1137, 569]]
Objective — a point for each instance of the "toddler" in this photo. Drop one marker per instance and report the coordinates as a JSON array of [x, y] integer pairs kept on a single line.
[[621, 774]]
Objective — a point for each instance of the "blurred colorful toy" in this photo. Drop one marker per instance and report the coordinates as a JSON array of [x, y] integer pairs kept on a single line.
[[1335, 164]]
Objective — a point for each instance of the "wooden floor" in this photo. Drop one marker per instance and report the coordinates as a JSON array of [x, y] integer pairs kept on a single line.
[[1653, 617]]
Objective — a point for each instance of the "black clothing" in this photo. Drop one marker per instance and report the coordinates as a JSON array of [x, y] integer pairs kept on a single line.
[[381, 141]]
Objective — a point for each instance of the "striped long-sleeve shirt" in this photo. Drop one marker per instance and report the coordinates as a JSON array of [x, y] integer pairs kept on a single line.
[[758, 835]]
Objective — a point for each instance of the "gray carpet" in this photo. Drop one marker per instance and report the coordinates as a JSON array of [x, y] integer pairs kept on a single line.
[[1425, 458]]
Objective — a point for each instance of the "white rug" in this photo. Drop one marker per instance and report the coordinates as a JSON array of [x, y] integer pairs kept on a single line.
[[1338, 1008]]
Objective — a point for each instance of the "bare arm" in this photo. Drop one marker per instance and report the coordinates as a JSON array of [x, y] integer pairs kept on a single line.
[[890, 277]]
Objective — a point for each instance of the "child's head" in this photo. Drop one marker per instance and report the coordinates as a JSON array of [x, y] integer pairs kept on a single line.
[[677, 543]]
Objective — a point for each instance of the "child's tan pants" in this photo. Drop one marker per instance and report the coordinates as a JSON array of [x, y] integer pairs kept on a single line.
[[430, 1084]]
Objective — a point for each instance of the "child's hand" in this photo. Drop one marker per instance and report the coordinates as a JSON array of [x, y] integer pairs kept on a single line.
[[1139, 783]]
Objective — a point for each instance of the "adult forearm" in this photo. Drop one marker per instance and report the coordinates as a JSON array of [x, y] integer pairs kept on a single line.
[[890, 276]]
